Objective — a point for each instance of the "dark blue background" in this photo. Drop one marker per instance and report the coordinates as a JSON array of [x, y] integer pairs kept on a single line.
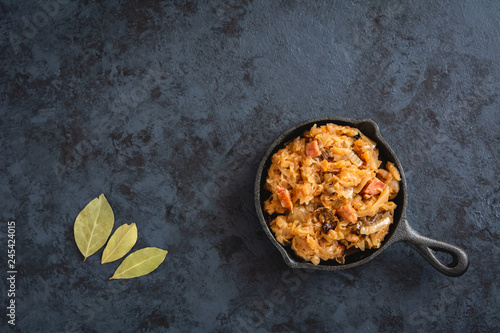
[[168, 107]]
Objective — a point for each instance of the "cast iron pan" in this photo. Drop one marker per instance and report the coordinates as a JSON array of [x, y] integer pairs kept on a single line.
[[399, 231]]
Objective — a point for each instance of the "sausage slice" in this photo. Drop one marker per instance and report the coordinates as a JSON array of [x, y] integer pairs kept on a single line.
[[374, 186], [285, 197], [312, 149]]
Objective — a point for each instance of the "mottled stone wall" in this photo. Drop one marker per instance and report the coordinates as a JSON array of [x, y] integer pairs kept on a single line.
[[167, 108]]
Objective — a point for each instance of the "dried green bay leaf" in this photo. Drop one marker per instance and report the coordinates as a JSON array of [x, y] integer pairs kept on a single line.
[[120, 243], [140, 263], [93, 226]]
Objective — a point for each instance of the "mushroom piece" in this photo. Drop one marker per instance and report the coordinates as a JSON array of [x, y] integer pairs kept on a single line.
[[327, 218], [376, 224]]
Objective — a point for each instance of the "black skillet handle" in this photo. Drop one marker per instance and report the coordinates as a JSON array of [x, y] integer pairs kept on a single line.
[[427, 247]]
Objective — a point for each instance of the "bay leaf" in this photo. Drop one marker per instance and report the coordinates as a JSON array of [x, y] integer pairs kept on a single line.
[[93, 226], [122, 241], [140, 263]]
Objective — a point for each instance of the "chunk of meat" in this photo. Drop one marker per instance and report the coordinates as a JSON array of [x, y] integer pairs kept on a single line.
[[352, 238], [285, 197], [374, 186], [312, 149], [347, 213], [341, 249]]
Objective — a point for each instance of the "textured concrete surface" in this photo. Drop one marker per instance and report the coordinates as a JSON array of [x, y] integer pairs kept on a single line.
[[168, 107]]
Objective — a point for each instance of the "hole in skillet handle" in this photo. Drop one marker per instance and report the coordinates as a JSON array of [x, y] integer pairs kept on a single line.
[[444, 257], [368, 128]]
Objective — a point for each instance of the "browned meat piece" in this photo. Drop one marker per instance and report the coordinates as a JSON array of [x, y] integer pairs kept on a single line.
[[312, 149], [347, 213], [352, 238], [342, 249], [285, 197], [374, 186]]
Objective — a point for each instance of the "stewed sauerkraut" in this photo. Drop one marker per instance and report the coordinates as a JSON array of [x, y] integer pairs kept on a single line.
[[329, 193]]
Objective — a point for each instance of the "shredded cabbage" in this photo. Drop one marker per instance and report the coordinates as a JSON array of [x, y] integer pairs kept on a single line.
[[334, 180]]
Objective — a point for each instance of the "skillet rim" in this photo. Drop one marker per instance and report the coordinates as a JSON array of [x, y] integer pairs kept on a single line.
[[369, 128]]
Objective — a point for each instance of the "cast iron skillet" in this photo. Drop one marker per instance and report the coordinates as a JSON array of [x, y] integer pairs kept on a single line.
[[399, 231]]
